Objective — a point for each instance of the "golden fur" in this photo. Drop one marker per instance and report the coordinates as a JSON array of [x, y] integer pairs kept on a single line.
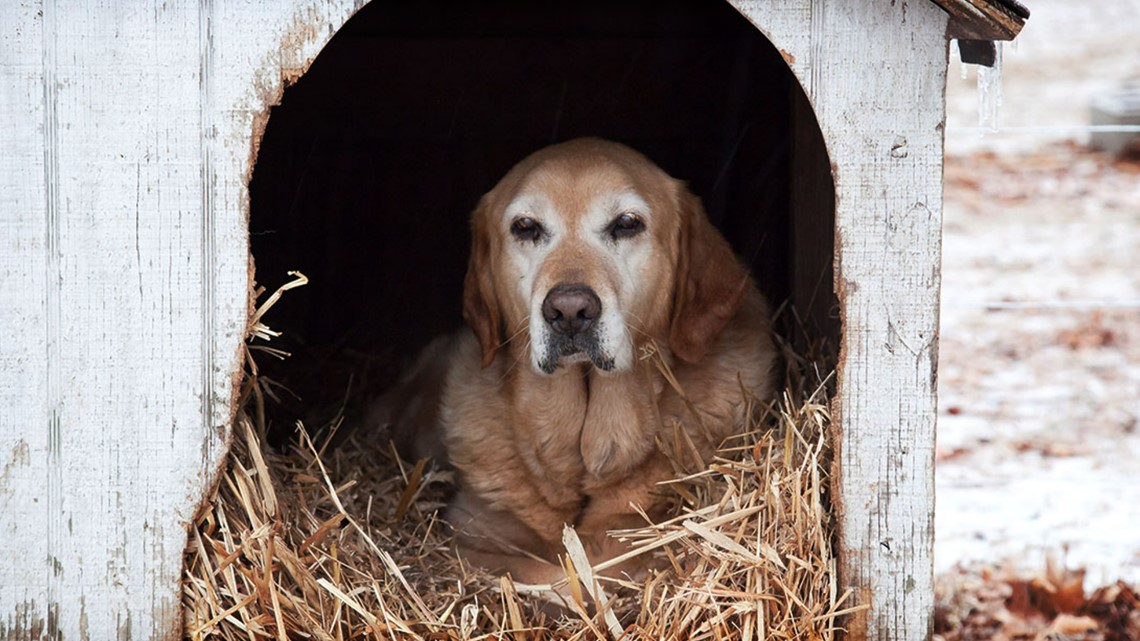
[[579, 445]]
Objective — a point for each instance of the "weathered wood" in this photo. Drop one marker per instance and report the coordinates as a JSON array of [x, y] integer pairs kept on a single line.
[[978, 52], [128, 134], [889, 255], [25, 419], [127, 137], [884, 137], [984, 19]]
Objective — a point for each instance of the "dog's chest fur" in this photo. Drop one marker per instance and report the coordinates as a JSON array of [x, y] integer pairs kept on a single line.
[[568, 434], [582, 428]]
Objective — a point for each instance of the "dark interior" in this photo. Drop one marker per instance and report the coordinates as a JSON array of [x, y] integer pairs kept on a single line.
[[369, 167]]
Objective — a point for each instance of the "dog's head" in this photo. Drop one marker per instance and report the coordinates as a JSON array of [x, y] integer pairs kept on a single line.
[[588, 250]]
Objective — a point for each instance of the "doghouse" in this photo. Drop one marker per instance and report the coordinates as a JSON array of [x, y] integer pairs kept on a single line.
[[130, 135]]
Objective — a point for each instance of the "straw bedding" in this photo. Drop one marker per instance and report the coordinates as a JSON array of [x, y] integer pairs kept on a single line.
[[319, 542]]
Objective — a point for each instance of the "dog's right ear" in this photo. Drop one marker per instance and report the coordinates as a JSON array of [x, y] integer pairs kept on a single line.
[[480, 305]]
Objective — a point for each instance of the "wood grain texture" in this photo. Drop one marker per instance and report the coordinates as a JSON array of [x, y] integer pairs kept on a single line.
[[25, 578], [984, 20], [124, 277], [887, 129], [129, 133], [881, 111]]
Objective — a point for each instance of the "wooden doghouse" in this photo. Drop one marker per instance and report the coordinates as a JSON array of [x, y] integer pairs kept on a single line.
[[130, 135]]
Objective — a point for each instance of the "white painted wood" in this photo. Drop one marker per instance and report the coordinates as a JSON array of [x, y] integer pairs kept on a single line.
[[127, 136], [875, 74], [24, 416]]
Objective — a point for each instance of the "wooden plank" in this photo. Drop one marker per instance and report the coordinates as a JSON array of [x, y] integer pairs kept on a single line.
[[136, 267], [788, 26], [882, 119], [121, 288], [25, 419], [125, 271], [984, 19], [977, 52], [885, 135]]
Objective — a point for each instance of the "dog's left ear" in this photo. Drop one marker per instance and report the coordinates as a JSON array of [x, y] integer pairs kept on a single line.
[[711, 282], [480, 305]]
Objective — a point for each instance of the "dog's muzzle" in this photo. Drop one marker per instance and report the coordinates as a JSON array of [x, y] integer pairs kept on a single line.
[[571, 312]]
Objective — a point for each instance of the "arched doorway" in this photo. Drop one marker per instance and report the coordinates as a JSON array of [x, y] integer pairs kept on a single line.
[[369, 167]]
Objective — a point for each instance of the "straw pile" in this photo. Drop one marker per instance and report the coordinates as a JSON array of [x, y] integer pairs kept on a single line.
[[314, 542]]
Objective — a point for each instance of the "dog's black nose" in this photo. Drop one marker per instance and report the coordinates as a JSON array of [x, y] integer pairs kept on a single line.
[[570, 309]]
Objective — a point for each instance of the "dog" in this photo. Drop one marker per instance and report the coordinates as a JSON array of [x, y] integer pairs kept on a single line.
[[594, 278]]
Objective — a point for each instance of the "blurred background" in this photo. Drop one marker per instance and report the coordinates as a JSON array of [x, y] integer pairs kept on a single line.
[[1039, 384]]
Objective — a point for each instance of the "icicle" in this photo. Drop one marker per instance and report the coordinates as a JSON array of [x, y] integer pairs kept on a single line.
[[989, 92], [956, 52]]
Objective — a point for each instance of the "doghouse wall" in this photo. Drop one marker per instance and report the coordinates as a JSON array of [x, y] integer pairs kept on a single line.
[[370, 166]]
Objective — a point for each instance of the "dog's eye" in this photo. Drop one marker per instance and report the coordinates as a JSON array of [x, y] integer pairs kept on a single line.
[[625, 226], [526, 228]]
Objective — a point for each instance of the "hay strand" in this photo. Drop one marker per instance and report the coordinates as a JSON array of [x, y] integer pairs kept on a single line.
[[345, 543]]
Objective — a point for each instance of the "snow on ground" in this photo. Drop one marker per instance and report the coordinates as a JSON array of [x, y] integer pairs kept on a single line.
[[1039, 388]]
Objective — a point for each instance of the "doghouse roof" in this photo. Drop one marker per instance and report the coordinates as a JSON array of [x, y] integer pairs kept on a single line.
[[984, 19]]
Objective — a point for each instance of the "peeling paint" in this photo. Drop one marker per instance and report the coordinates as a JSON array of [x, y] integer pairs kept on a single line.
[[75, 497], [53, 631], [267, 47], [25, 622], [84, 623], [123, 631], [899, 147], [21, 457]]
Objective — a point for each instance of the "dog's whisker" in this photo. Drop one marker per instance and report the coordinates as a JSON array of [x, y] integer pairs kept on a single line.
[[625, 329], [522, 354], [516, 334], [638, 319], [631, 327]]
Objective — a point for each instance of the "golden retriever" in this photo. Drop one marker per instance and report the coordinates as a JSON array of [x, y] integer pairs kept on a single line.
[[586, 261]]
